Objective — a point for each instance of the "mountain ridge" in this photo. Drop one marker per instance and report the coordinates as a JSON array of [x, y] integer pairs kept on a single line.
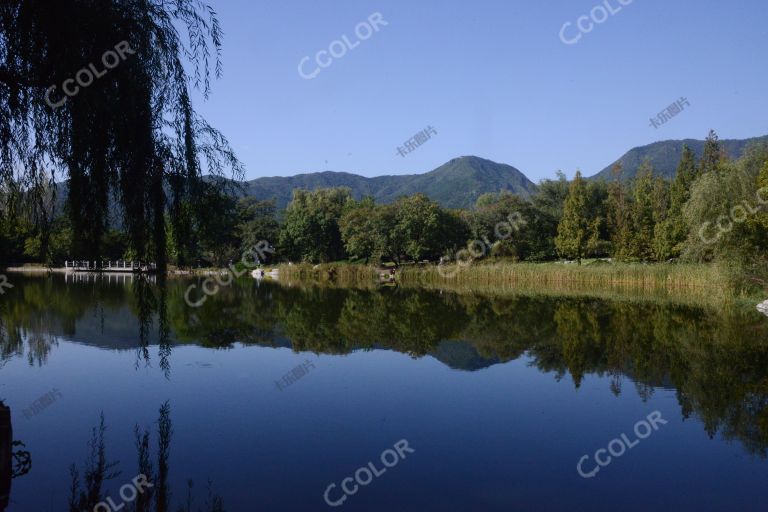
[[664, 156], [456, 184], [460, 181]]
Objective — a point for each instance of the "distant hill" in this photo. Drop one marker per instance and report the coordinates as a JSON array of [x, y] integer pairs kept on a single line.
[[665, 155], [456, 184], [459, 182]]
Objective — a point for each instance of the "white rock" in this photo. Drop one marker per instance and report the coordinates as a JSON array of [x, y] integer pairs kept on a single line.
[[763, 307]]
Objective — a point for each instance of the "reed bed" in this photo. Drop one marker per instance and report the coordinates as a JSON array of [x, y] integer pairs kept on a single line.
[[706, 285], [344, 275], [692, 281]]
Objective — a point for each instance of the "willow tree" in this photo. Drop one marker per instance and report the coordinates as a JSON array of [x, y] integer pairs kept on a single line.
[[98, 92]]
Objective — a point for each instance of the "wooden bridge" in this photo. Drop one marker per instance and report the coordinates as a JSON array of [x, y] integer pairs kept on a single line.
[[120, 266]]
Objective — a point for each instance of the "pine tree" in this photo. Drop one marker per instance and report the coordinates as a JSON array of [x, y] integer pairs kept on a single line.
[[576, 232], [672, 233], [643, 215], [619, 220], [713, 154]]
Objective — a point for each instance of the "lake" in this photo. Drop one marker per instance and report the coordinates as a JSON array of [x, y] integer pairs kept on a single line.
[[270, 397]]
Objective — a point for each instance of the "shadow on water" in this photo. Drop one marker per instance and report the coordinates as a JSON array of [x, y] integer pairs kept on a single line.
[[15, 461], [146, 490], [716, 361]]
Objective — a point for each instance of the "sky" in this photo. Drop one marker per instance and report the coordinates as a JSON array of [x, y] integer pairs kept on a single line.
[[493, 78]]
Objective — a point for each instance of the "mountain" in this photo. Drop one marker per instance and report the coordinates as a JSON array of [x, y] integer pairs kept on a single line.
[[459, 182], [665, 155], [456, 184]]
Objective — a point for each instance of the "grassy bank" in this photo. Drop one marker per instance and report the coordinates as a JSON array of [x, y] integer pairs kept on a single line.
[[607, 275], [685, 283]]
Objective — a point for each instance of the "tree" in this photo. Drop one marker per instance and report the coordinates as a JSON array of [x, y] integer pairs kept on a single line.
[[597, 197], [713, 154], [723, 207], [132, 131], [514, 226], [577, 233], [420, 224], [643, 214], [217, 229], [311, 229], [620, 225], [361, 229], [256, 222], [671, 234], [393, 240], [550, 196]]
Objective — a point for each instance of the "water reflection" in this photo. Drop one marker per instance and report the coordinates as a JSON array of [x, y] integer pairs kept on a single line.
[[151, 492], [717, 361]]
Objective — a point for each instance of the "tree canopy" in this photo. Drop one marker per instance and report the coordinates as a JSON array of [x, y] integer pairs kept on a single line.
[[122, 132]]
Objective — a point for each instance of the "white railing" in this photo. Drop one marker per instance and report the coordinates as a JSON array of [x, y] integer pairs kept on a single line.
[[109, 266]]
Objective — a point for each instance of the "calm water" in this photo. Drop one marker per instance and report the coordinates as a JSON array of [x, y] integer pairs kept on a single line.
[[498, 399]]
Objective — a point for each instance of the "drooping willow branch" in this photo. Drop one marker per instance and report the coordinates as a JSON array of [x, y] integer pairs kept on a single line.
[[128, 141]]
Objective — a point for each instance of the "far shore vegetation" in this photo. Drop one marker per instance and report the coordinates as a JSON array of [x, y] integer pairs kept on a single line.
[[704, 234], [78, 182]]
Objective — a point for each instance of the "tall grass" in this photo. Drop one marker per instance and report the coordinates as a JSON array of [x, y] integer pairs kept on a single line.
[[700, 284], [341, 274], [693, 281]]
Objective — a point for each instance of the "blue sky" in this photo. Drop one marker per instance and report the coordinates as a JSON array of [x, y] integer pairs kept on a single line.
[[491, 76]]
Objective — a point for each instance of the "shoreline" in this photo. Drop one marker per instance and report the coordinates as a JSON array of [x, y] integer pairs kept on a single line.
[[701, 283], [706, 284]]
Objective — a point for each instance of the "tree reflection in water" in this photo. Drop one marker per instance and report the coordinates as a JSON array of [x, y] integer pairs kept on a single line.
[[150, 304], [716, 360], [88, 492]]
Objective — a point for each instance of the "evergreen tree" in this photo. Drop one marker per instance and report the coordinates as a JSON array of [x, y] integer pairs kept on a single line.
[[576, 233], [713, 154], [619, 220], [672, 233], [643, 214]]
